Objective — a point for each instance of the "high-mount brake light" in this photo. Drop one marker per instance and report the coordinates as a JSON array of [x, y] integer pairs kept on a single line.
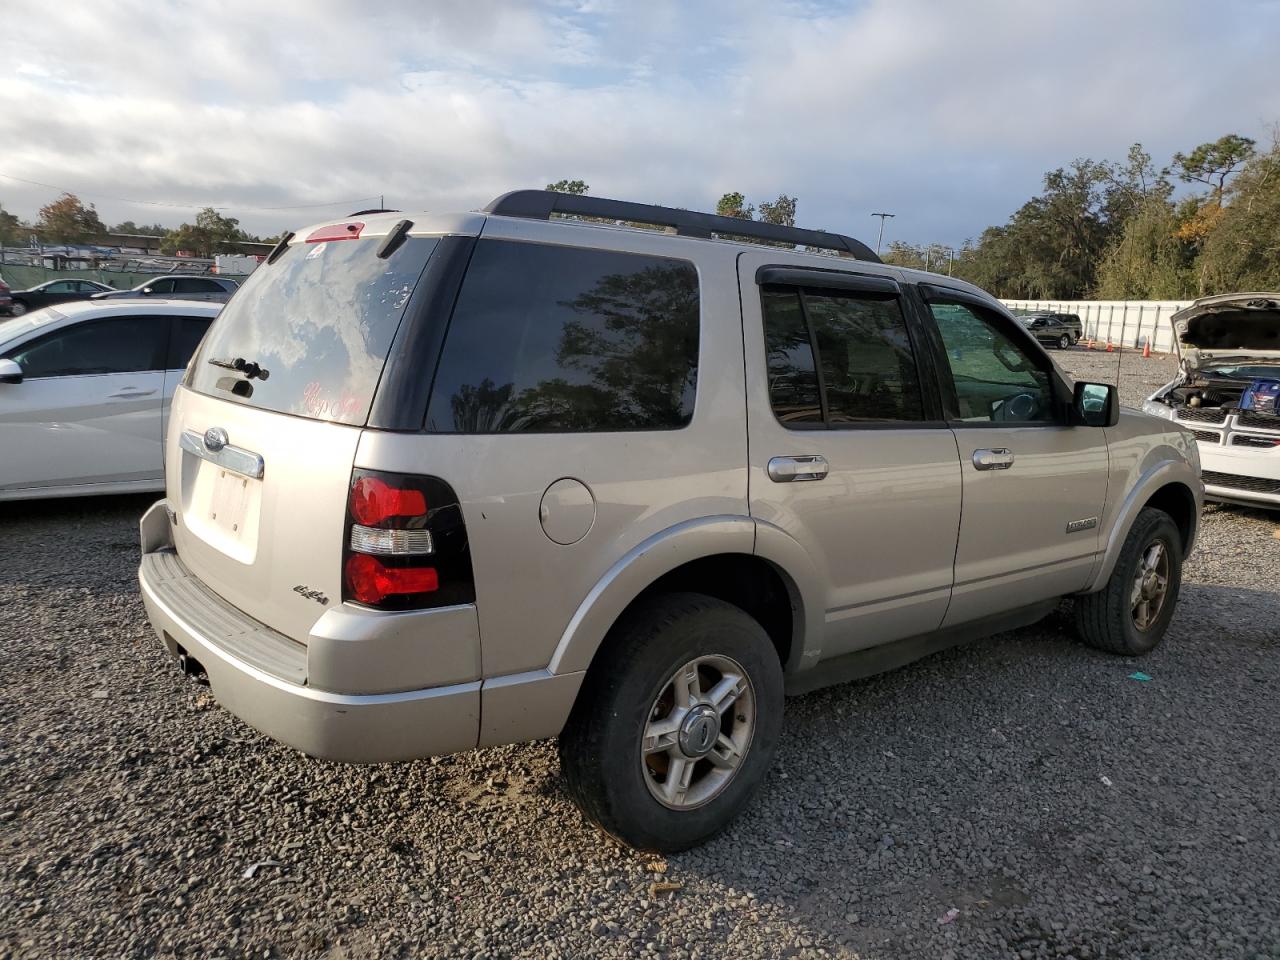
[[374, 502], [336, 231], [405, 543]]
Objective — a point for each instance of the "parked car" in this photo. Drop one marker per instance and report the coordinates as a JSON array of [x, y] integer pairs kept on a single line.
[[6, 298], [1225, 391], [54, 291], [84, 394], [444, 481], [1061, 330], [178, 288]]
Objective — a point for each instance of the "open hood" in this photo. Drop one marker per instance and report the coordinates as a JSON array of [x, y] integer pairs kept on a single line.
[[1232, 324]]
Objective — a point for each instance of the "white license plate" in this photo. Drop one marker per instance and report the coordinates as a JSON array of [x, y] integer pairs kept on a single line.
[[224, 509]]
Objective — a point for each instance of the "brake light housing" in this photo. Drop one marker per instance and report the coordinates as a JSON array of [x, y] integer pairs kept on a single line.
[[405, 543]]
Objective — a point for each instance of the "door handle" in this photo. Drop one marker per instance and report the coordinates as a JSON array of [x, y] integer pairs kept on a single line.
[[997, 458], [129, 393], [791, 469]]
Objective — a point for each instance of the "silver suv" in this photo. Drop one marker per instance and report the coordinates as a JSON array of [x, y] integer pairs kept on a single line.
[[456, 481]]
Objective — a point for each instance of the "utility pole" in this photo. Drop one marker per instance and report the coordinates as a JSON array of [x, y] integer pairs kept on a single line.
[[883, 217], [951, 258]]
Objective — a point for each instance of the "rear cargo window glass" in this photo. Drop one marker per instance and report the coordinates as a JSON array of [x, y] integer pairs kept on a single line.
[[557, 339], [319, 321]]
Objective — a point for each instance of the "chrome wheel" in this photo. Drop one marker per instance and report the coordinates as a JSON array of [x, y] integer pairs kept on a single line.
[[1150, 585], [18, 309], [698, 732]]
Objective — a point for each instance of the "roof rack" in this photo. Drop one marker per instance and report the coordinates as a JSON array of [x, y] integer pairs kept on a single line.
[[541, 204]]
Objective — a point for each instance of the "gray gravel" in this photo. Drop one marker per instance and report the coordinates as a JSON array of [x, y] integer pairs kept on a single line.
[[131, 807]]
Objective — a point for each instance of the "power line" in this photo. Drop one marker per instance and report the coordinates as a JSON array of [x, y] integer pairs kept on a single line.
[[190, 206]]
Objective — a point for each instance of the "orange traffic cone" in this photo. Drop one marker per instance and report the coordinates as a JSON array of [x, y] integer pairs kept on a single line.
[[1110, 347], [1146, 349]]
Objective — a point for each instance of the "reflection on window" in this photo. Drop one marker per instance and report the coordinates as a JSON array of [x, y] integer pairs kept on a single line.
[[868, 369], [118, 345], [793, 382], [995, 378], [555, 339]]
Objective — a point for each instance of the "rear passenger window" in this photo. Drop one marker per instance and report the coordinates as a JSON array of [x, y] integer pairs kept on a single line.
[[186, 336], [865, 366], [549, 339]]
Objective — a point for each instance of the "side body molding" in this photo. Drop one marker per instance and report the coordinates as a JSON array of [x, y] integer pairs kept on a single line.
[[635, 571], [1159, 472]]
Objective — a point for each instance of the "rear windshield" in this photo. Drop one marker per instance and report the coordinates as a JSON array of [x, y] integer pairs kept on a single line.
[[318, 323]]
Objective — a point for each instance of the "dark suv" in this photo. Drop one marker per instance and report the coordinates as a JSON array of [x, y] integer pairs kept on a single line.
[[1060, 330]]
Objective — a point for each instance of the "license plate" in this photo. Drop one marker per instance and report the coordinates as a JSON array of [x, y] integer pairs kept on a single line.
[[224, 508]]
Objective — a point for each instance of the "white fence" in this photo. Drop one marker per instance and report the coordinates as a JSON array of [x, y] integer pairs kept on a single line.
[[1126, 323]]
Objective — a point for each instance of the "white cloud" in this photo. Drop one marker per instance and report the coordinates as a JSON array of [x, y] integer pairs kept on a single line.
[[945, 114]]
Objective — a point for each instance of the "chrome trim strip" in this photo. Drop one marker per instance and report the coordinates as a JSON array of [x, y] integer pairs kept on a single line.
[[235, 459]]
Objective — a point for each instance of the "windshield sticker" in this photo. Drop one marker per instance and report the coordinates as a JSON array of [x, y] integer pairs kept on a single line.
[[316, 251]]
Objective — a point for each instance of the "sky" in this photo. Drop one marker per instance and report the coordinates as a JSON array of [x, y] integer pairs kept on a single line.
[[946, 114]]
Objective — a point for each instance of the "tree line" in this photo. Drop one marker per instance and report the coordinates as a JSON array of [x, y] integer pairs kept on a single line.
[[68, 220], [1110, 230]]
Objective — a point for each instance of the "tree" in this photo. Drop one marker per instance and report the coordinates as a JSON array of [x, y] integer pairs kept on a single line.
[[67, 220], [209, 235], [575, 187], [10, 229], [781, 212], [1149, 260], [154, 230], [1241, 250], [1212, 163], [735, 205]]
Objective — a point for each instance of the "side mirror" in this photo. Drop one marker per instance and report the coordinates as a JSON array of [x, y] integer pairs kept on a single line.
[[146, 291], [1095, 405], [10, 371]]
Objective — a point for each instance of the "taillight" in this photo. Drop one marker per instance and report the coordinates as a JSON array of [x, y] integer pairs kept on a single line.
[[406, 543]]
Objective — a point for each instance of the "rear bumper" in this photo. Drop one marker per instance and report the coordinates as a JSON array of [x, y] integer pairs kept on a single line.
[[260, 676], [268, 680]]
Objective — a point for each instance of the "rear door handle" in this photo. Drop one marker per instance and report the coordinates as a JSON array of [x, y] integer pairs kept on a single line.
[[130, 393], [997, 458], [791, 469]]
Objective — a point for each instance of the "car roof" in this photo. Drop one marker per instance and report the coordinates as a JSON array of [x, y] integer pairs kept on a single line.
[[80, 309], [472, 224]]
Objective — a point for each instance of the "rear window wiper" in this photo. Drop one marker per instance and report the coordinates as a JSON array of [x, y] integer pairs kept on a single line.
[[247, 367]]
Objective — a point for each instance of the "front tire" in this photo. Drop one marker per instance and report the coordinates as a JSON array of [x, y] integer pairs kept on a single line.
[[1130, 615], [676, 724], [1064, 342]]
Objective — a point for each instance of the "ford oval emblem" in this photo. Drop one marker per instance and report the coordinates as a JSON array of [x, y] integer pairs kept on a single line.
[[215, 438]]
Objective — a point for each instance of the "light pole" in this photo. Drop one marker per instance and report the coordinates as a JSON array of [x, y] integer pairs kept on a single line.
[[883, 217]]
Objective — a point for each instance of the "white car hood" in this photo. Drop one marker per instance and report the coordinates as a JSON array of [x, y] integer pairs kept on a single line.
[[1232, 324]]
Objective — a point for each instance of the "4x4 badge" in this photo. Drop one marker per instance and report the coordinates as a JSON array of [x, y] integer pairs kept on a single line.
[[310, 594]]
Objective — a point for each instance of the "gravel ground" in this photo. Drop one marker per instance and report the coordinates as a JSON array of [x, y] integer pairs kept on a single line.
[[1024, 786]]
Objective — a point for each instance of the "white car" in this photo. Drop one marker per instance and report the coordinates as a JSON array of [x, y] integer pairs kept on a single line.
[[1226, 393], [84, 394]]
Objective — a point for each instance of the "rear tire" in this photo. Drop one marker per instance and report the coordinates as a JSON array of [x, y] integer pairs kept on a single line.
[[639, 720], [17, 309], [1124, 617]]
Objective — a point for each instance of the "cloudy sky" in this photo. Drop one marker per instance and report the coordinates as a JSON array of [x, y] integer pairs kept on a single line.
[[944, 113]]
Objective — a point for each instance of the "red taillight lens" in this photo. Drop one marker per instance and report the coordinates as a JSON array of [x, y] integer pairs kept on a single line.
[[374, 502], [369, 581]]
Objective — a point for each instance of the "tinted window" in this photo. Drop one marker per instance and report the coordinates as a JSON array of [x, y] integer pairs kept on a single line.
[[320, 321], [867, 366], [62, 286], [195, 285], [184, 339], [996, 378], [793, 381], [117, 345], [547, 339], [160, 286]]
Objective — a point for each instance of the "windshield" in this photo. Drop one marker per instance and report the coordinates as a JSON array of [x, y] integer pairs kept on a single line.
[[312, 331], [1243, 369], [15, 327]]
